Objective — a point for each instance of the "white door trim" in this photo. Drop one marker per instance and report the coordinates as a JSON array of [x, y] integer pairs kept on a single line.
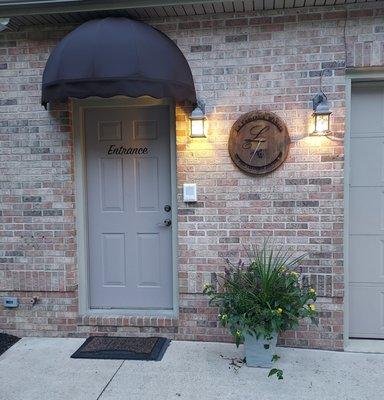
[[352, 76], [78, 107]]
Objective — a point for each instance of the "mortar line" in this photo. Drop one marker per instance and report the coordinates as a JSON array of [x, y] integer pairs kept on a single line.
[[105, 387]]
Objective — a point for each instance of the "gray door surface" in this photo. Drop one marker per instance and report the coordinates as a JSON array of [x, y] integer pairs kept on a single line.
[[366, 212], [128, 189]]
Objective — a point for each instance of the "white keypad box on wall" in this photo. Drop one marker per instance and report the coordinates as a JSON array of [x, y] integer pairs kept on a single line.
[[189, 192]]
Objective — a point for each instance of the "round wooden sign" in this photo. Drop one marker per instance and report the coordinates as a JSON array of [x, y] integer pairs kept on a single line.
[[258, 142]]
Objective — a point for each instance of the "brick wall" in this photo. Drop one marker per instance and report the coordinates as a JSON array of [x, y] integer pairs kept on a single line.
[[241, 62]]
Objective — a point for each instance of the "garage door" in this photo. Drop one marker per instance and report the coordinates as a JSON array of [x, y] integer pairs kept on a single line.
[[366, 212]]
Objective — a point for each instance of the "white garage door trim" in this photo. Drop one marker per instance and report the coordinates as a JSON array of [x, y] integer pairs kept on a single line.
[[352, 76], [78, 107]]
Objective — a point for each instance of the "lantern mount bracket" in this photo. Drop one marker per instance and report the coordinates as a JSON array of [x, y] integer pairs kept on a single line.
[[200, 104], [320, 98]]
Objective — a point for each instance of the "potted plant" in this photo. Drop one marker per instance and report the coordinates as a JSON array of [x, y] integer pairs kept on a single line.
[[261, 298]]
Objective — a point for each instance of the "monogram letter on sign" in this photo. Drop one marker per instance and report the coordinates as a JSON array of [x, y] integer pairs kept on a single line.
[[258, 142]]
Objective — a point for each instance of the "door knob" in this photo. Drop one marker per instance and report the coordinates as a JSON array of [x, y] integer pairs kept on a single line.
[[166, 222]]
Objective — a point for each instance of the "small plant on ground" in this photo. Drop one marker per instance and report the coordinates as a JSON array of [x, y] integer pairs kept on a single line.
[[264, 296]]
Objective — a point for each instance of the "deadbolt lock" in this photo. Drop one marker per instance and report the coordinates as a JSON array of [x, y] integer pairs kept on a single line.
[[167, 208]]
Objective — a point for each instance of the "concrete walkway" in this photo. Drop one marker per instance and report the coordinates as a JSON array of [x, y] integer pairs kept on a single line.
[[40, 369]]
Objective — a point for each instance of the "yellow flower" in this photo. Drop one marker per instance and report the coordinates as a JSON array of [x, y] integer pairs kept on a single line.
[[279, 310], [283, 269], [237, 333], [224, 316], [312, 307], [312, 290], [206, 286], [294, 273]]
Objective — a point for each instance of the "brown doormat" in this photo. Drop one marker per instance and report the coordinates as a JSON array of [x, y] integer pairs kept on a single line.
[[123, 348]]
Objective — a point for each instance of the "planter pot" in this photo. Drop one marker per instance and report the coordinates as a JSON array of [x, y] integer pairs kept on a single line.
[[255, 353]]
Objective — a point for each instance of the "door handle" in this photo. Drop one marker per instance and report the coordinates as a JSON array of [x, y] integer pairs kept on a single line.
[[166, 222]]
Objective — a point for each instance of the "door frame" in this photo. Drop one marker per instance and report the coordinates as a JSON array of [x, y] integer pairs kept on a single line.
[[77, 108], [353, 75]]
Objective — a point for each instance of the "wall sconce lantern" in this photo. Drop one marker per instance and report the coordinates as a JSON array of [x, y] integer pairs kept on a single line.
[[197, 118], [321, 114]]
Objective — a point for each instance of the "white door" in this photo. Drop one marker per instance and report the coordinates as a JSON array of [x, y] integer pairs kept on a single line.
[[128, 206], [366, 212]]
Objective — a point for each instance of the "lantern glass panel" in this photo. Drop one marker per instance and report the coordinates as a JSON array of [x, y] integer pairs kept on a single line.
[[322, 123], [197, 128]]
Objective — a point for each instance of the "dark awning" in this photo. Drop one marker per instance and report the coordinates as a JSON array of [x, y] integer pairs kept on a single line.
[[116, 56]]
